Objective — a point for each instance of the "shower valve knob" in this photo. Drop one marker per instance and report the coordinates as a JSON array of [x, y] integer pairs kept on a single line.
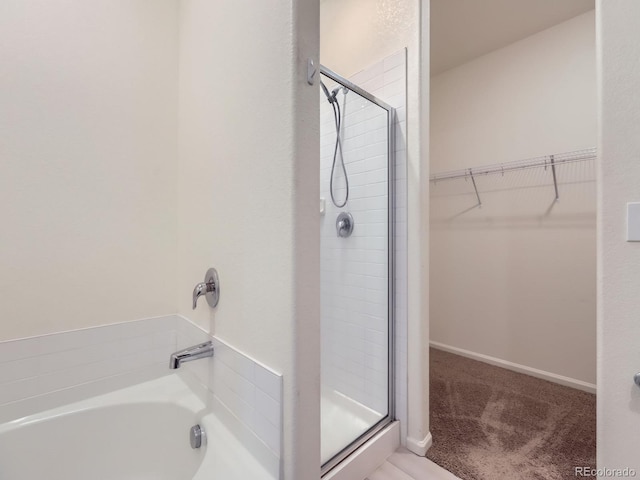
[[344, 224]]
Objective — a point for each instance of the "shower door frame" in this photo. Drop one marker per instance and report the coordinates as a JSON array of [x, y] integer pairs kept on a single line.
[[391, 290]]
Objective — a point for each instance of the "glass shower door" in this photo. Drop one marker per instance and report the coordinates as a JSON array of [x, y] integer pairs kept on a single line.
[[356, 223]]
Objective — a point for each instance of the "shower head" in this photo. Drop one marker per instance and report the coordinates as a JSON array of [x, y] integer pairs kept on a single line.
[[331, 97]]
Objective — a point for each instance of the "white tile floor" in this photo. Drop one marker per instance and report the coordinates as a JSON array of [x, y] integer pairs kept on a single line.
[[404, 465]]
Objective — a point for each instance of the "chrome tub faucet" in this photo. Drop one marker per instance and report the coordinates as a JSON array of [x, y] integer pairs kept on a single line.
[[210, 288], [202, 350]]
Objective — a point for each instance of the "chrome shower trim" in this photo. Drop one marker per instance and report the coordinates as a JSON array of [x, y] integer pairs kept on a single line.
[[344, 224], [210, 288], [354, 88]]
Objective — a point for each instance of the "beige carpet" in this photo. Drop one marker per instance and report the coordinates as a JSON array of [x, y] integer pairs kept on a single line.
[[489, 423]]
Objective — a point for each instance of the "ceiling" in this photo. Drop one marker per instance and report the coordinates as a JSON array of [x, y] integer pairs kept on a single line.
[[462, 30]]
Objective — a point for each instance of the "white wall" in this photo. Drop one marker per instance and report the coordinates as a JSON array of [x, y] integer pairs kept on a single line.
[[248, 194], [88, 144], [90, 147], [618, 274], [515, 280], [354, 35]]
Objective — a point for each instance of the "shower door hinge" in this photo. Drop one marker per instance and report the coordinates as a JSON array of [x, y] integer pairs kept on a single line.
[[311, 71]]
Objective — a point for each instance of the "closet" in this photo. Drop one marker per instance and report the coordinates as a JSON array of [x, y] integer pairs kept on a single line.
[[513, 237]]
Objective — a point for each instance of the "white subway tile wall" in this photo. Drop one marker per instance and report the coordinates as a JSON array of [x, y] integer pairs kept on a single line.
[[354, 269], [388, 82], [39, 366], [251, 391], [48, 363]]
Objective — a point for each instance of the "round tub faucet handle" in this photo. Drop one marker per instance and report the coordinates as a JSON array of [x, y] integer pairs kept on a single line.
[[210, 288]]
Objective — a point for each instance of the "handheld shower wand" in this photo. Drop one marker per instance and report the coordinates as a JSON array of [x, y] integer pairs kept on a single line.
[[338, 118]]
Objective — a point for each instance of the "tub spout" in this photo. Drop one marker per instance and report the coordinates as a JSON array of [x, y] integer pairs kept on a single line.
[[202, 350]]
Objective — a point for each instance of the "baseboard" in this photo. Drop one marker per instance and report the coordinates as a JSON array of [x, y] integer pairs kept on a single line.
[[534, 372], [420, 447]]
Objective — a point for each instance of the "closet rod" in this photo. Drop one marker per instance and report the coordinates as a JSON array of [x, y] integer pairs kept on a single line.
[[550, 161]]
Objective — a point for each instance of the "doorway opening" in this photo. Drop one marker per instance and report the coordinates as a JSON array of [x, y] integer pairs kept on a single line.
[[513, 122]]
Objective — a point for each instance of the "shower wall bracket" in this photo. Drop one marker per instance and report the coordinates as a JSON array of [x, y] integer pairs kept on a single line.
[[311, 71]]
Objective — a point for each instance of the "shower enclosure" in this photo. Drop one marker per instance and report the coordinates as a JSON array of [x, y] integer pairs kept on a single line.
[[357, 265]]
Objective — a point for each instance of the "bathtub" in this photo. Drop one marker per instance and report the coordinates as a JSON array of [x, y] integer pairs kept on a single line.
[[136, 433]]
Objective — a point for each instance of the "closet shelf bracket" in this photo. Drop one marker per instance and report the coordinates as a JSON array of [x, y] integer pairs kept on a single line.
[[473, 180], [555, 180]]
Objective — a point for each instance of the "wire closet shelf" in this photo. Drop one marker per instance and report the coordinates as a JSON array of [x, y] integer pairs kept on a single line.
[[546, 162]]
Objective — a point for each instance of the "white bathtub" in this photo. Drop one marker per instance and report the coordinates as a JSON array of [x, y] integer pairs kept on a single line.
[[137, 433]]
